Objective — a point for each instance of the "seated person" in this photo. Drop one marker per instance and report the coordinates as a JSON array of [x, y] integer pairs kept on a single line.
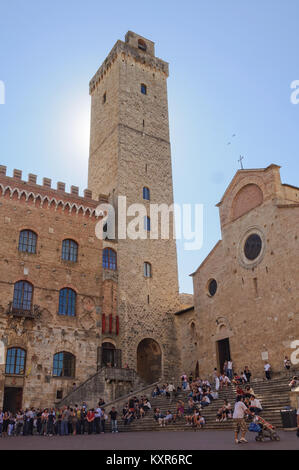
[[294, 382], [200, 421], [255, 405], [248, 391], [205, 401], [180, 409], [166, 419]]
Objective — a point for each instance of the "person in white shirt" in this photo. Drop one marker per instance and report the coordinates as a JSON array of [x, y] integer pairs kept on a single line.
[[239, 422], [98, 415], [255, 405], [267, 369], [229, 369], [170, 390]]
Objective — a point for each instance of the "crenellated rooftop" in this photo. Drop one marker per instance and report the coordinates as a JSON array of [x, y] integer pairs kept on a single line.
[[59, 197]]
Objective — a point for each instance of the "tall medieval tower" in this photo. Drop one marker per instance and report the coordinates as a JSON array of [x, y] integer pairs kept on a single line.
[[130, 151]]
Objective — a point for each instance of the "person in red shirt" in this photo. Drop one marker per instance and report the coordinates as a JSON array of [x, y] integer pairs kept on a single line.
[[90, 420]]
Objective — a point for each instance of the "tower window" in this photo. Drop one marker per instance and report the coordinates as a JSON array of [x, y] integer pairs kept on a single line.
[[104, 98], [109, 259], [147, 270], [22, 297], [15, 361], [69, 250], [67, 302], [143, 89], [64, 364], [27, 241], [146, 193], [147, 224], [141, 45]]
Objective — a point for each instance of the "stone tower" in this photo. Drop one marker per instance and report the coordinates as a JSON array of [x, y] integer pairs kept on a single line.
[[129, 151]]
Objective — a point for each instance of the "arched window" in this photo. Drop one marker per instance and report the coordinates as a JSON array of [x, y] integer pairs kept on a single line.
[[147, 269], [69, 251], [146, 193], [109, 259], [22, 296], [67, 302], [27, 241], [141, 45], [143, 89], [64, 364], [147, 224], [15, 361]]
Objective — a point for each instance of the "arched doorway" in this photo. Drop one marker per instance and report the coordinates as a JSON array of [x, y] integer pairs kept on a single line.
[[149, 360], [109, 356]]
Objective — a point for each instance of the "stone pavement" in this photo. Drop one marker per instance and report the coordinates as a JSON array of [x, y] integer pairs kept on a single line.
[[200, 440]]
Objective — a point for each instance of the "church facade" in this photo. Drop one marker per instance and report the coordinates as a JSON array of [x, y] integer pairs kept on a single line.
[[246, 292]]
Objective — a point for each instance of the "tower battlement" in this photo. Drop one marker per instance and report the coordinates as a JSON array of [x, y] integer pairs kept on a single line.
[[138, 47]]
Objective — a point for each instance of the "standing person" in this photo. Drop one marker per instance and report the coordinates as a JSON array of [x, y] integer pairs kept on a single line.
[[38, 421], [90, 420], [83, 421], [74, 420], [267, 369], [97, 419], [171, 390], [64, 422], [51, 422], [103, 421], [287, 363], [19, 422], [247, 373], [30, 418], [45, 416], [239, 419], [113, 418], [5, 424], [1, 421], [217, 383], [225, 368], [229, 369]]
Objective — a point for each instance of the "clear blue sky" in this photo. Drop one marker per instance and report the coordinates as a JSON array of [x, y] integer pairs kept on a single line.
[[231, 65]]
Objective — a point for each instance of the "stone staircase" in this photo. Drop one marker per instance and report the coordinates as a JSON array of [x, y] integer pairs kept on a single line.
[[274, 395], [107, 383]]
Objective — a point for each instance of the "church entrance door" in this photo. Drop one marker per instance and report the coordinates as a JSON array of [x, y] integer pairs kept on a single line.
[[223, 352]]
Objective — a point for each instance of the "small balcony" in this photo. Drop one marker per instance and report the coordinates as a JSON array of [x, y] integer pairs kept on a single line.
[[33, 313]]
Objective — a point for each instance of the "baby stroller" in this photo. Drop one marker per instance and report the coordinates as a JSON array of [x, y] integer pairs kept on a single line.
[[263, 429]]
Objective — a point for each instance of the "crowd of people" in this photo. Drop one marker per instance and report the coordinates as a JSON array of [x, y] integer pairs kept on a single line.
[[200, 394], [135, 408], [62, 422]]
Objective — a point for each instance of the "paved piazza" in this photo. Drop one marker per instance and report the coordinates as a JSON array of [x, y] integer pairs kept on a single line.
[[206, 440]]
